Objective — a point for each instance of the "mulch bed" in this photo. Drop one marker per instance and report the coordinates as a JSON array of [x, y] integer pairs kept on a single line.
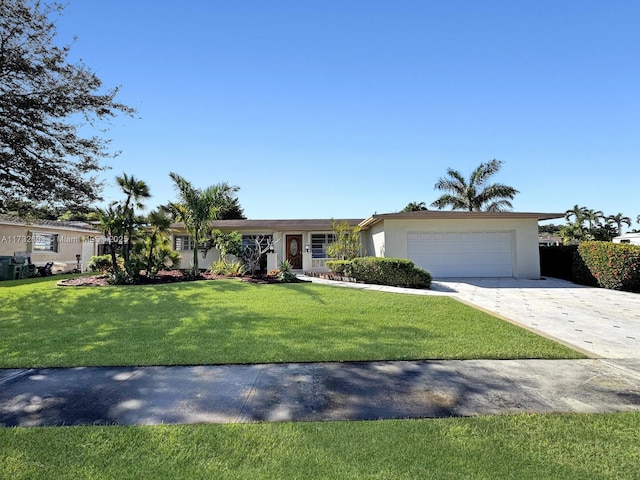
[[165, 276]]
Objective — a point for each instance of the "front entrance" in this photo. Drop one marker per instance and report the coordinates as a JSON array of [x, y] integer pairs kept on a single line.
[[294, 251]]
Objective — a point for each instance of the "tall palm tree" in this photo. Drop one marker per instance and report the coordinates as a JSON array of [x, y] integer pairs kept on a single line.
[[593, 217], [475, 194], [415, 207], [618, 220], [577, 213], [197, 208]]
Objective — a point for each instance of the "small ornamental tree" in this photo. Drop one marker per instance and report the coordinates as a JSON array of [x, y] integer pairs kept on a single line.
[[227, 243], [346, 245]]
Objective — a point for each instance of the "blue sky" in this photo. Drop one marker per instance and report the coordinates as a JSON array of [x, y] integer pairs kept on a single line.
[[340, 109]]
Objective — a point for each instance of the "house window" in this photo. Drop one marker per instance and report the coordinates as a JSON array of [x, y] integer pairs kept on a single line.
[[319, 243], [249, 241], [182, 242], [44, 242]]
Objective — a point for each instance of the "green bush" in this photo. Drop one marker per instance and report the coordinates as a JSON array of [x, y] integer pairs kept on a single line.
[[337, 266], [613, 265], [224, 267], [284, 272], [103, 264], [398, 272]]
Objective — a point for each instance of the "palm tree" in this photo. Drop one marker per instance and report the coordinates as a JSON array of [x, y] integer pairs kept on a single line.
[[197, 208], [618, 220], [415, 207], [475, 195], [111, 225], [135, 190], [159, 224], [593, 217], [578, 213]]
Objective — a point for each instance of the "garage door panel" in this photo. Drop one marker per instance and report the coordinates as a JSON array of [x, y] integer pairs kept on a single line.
[[462, 254]]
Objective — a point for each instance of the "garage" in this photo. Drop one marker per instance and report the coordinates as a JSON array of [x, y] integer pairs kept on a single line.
[[462, 254]]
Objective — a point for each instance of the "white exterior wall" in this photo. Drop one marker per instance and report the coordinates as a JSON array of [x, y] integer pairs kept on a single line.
[[375, 240], [390, 237]]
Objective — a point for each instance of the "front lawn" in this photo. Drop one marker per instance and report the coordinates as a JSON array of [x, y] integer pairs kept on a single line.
[[500, 447], [228, 321]]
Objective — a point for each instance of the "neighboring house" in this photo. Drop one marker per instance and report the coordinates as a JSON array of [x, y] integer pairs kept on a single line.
[[446, 243], [633, 238], [549, 241], [45, 241]]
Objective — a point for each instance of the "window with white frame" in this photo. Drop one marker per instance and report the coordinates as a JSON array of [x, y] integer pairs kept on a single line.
[[319, 244], [44, 242], [182, 242]]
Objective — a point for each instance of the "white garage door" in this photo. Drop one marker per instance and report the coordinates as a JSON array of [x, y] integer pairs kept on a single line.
[[462, 254]]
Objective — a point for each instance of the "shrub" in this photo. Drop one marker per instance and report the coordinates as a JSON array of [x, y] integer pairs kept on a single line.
[[103, 264], [223, 267], [398, 272], [614, 265], [337, 266], [284, 272]]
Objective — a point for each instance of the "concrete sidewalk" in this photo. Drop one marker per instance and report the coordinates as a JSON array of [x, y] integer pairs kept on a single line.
[[315, 391]]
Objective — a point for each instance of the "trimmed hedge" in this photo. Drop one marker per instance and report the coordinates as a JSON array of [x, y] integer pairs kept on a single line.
[[397, 272], [337, 266], [614, 265]]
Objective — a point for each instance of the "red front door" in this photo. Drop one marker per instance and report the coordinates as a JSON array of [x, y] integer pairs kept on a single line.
[[294, 251]]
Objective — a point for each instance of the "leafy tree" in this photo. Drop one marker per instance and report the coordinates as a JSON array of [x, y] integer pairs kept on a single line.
[[550, 229], [415, 207], [475, 194], [232, 211], [346, 245], [196, 208], [227, 243], [603, 232], [617, 221], [45, 103]]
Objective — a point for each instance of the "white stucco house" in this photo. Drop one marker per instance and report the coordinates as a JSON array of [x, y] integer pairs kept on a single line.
[[632, 238], [446, 243]]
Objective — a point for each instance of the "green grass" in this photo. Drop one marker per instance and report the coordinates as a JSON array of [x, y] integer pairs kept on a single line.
[[605, 446], [227, 321]]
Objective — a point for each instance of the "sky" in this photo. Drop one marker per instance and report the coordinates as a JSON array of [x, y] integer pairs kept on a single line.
[[343, 109]]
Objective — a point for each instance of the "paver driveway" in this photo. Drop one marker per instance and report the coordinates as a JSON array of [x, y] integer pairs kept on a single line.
[[601, 322]]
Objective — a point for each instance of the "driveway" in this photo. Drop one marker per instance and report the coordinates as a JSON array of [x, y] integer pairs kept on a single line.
[[600, 322]]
